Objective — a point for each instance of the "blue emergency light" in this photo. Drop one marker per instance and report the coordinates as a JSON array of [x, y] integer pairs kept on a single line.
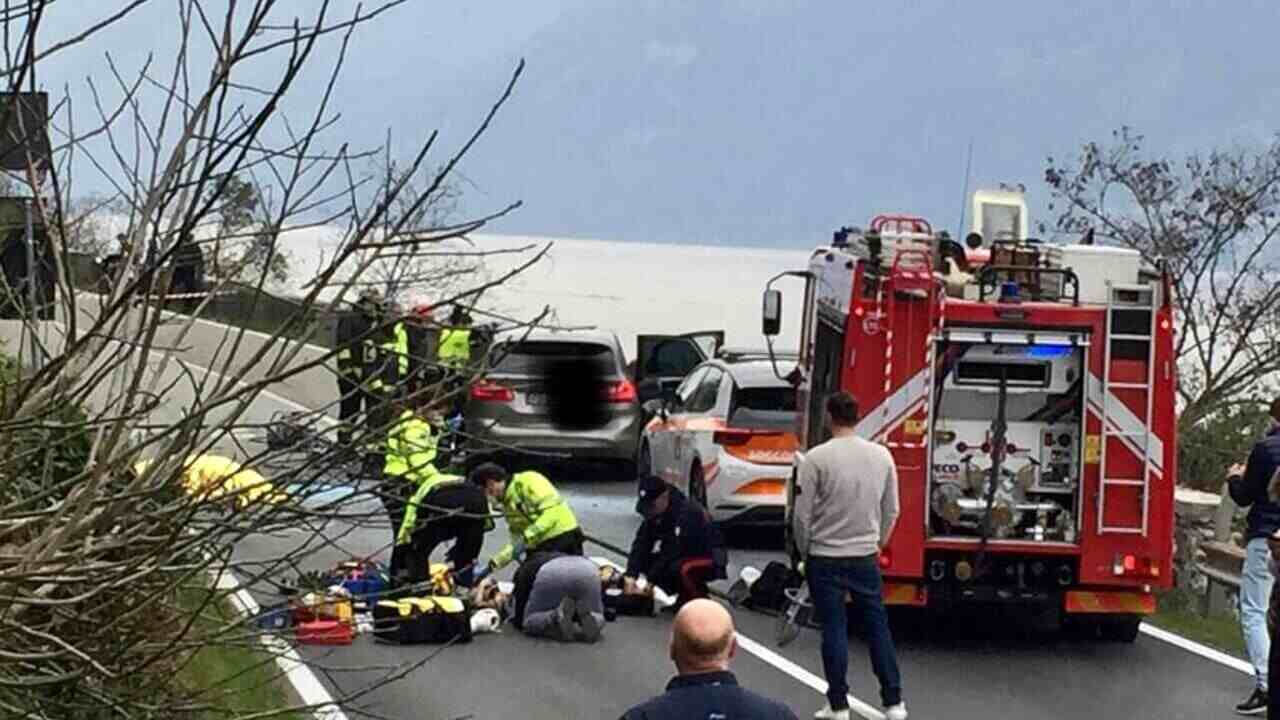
[[1049, 351], [1009, 292]]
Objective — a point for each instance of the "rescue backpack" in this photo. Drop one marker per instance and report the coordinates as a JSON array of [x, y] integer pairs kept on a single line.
[[768, 592]]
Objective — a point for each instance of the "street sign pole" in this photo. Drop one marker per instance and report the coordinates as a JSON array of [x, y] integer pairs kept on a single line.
[[32, 315]]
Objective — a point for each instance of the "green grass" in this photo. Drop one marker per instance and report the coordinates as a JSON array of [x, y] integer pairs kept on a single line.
[[238, 676], [1179, 613]]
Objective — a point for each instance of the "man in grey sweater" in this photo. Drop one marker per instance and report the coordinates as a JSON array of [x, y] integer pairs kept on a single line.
[[846, 504]]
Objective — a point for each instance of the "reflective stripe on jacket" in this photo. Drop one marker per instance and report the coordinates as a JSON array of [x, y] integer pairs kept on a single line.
[[411, 449], [428, 484], [455, 347], [535, 513], [393, 357]]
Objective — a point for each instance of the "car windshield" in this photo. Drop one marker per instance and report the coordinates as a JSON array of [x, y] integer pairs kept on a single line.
[[533, 356], [764, 408]]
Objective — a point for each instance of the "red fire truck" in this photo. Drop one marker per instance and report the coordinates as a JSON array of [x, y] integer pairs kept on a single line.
[[1026, 392]]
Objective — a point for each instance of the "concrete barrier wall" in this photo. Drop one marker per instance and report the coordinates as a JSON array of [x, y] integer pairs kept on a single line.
[[213, 346], [188, 376]]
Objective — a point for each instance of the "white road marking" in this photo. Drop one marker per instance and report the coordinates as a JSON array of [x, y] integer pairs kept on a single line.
[[787, 667], [804, 676], [1192, 646], [309, 688]]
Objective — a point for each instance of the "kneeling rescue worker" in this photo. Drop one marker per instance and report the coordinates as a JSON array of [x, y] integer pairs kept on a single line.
[[425, 506], [538, 518], [450, 508], [677, 546]]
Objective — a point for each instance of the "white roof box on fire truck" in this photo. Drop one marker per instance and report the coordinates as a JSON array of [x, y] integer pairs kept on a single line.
[[1096, 268], [1000, 214]]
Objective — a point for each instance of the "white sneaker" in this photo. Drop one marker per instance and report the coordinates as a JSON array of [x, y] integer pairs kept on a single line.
[[896, 712], [826, 713]]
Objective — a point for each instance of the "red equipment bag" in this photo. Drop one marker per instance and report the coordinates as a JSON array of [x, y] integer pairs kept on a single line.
[[324, 632]]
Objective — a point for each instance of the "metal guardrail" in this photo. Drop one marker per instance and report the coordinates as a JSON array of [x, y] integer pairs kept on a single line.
[[1223, 564]]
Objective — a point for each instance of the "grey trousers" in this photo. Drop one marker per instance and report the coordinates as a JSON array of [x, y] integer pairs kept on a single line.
[[575, 577]]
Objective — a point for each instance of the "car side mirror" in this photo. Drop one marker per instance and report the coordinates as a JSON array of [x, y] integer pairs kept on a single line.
[[772, 315]]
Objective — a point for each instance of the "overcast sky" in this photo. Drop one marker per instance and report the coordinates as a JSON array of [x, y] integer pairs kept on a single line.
[[769, 122]]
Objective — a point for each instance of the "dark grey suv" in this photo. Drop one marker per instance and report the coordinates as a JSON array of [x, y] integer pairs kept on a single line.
[[552, 394]]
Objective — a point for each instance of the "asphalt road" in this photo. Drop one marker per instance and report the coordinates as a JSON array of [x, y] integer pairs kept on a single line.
[[983, 666], [976, 666]]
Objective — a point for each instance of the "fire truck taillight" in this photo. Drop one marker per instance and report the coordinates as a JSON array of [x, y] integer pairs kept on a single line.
[[1133, 566]]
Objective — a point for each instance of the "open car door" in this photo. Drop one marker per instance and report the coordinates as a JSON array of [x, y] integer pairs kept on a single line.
[[662, 361]]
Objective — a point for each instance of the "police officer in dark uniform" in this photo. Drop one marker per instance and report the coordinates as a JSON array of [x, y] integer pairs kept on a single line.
[[677, 547]]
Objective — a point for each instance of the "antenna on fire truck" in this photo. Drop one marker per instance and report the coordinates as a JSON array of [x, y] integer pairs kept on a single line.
[[964, 196]]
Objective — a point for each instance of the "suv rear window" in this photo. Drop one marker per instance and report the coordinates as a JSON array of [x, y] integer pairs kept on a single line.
[[763, 408], [531, 357]]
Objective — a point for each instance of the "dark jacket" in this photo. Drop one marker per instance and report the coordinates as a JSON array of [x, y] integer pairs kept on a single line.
[[424, 340], [706, 696], [684, 531], [1251, 489], [354, 341], [524, 578]]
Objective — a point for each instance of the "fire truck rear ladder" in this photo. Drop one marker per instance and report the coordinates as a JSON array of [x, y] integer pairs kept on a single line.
[[1127, 298]]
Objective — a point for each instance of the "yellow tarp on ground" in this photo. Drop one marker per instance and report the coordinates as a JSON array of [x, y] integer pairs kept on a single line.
[[215, 476]]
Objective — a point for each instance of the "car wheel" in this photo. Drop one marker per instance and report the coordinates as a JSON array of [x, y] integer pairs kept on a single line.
[[624, 470], [698, 486]]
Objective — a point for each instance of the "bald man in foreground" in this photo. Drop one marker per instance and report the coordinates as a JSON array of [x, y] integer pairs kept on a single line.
[[702, 644]]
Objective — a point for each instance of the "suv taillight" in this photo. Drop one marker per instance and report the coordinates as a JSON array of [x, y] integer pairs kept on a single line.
[[621, 391], [731, 437], [485, 391]]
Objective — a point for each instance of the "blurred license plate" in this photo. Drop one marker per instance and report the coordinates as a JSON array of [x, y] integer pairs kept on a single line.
[[536, 398]]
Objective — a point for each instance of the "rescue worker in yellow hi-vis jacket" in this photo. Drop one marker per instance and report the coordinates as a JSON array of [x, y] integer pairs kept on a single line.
[[425, 506], [443, 508], [538, 518], [455, 340], [454, 357], [389, 370]]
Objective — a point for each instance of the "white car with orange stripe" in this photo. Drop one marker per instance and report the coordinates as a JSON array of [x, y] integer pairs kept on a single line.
[[726, 437]]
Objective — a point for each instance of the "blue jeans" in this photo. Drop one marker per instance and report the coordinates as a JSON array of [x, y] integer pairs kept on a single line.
[[1255, 595], [829, 579]]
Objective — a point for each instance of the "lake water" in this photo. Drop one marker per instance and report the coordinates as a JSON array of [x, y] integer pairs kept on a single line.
[[628, 288]]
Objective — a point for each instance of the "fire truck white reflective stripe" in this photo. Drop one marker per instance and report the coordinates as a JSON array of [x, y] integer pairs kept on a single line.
[[1011, 338], [1127, 424], [884, 417]]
